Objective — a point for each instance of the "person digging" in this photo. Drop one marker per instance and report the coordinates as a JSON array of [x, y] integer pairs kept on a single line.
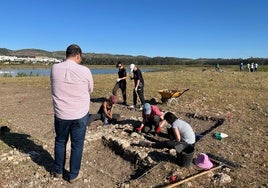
[[153, 119], [105, 113], [181, 135]]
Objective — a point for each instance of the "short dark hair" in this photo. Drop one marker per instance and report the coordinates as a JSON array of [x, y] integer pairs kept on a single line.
[[73, 50], [170, 117], [119, 62]]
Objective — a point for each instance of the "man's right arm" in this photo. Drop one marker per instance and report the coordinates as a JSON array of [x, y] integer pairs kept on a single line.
[[90, 83]]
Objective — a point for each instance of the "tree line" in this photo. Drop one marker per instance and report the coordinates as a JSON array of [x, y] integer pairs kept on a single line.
[[109, 59], [170, 61]]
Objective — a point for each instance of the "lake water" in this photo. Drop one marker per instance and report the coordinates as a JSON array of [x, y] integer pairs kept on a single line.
[[46, 72]]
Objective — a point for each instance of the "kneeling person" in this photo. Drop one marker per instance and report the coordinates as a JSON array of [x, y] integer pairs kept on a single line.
[[153, 119], [105, 113], [181, 133]]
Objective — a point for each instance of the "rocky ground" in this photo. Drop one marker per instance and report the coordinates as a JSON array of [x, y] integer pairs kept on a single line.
[[111, 158]]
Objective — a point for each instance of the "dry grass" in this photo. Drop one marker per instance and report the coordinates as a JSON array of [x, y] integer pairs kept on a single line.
[[238, 97]]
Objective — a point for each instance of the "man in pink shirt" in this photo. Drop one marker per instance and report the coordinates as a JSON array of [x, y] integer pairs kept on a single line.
[[153, 119], [71, 86]]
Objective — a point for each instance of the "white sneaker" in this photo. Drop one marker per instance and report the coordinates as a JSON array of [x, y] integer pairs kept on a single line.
[[141, 108], [131, 106]]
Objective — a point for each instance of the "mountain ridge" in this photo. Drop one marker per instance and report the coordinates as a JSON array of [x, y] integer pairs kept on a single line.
[[111, 59], [32, 52]]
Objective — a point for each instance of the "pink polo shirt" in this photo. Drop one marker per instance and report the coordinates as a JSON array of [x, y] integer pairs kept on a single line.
[[71, 86]]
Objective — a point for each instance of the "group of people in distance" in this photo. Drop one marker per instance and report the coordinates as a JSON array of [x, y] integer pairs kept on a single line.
[[251, 67], [71, 87]]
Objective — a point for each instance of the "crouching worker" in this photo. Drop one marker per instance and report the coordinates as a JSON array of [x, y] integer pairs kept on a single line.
[[105, 113], [181, 135], [153, 119]]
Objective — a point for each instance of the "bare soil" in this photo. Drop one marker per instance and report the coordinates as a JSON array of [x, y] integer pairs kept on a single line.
[[26, 153]]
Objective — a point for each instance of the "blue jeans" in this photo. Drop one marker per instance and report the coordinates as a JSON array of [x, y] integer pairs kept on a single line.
[[77, 130]]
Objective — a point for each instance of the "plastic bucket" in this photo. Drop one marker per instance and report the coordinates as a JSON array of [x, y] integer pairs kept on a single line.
[[185, 158]]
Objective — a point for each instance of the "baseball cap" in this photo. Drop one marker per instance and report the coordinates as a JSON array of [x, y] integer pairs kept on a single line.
[[132, 67], [147, 109]]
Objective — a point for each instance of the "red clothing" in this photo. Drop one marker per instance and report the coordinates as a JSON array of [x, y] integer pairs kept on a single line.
[[154, 111]]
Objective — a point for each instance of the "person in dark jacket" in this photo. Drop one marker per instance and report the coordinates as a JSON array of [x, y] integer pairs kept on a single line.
[[138, 91], [121, 82]]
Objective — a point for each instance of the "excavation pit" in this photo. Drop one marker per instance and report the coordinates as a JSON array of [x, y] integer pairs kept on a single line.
[[110, 152]]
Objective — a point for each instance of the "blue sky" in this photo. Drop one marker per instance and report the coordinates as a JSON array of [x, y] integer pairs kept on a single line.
[[167, 28]]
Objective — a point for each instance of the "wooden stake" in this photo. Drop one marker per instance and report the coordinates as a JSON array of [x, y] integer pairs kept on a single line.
[[192, 177]]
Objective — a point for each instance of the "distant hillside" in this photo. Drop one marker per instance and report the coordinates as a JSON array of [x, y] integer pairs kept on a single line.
[[55, 54], [4, 51], [31, 53], [61, 54], [110, 59]]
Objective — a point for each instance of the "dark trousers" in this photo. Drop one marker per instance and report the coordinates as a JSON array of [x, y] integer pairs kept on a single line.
[[123, 90], [139, 93], [102, 116], [172, 144], [151, 124], [76, 130]]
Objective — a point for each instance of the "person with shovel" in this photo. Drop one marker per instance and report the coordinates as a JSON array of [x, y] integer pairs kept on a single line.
[[138, 91], [121, 82]]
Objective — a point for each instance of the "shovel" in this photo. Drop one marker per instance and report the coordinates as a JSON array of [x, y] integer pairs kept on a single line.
[[138, 97]]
